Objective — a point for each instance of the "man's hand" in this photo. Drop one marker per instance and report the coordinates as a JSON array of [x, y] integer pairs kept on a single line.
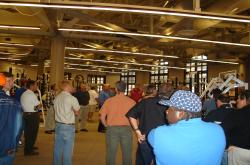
[[140, 137], [77, 113], [230, 148]]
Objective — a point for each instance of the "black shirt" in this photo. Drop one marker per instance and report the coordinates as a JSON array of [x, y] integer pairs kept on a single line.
[[237, 128], [82, 97], [218, 115], [149, 113]]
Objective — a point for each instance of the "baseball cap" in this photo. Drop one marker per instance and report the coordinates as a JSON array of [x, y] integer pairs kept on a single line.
[[2, 80], [183, 100]]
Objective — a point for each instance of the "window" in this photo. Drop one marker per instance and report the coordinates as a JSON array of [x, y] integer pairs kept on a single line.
[[159, 75], [196, 74], [99, 80], [129, 78]]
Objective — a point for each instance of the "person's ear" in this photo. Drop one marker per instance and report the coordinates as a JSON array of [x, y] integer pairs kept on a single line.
[[180, 114]]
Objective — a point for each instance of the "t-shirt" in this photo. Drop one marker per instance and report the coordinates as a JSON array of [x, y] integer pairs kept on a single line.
[[64, 104], [209, 105], [149, 113], [237, 128], [103, 96], [136, 94], [93, 95], [82, 97], [218, 115], [191, 142], [116, 108], [29, 101]]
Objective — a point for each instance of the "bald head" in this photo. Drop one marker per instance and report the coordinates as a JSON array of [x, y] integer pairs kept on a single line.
[[66, 86]]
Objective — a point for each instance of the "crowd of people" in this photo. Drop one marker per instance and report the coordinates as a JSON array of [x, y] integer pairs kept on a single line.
[[167, 123]]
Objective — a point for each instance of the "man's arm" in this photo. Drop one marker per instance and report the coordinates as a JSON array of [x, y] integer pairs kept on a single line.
[[76, 106], [103, 114], [103, 119], [134, 124]]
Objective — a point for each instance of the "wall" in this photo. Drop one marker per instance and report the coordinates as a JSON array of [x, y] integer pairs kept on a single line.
[[215, 68], [142, 77], [176, 73], [112, 79], [29, 72]]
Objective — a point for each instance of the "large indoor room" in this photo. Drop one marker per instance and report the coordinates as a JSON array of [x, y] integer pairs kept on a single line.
[[81, 76]]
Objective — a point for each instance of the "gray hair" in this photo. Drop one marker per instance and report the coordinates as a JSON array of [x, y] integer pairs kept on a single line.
[[120, 86]]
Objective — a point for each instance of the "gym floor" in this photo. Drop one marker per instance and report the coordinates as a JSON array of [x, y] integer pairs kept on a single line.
[[89, 148]]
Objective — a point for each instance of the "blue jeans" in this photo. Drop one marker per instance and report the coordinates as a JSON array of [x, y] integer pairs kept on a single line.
[[7, 160], [64, 144], [144, 154]]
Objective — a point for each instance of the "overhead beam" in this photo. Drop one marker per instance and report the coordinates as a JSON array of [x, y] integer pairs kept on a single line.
[[100, 23]]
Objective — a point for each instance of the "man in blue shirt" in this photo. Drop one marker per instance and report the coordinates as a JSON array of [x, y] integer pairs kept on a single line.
[[103, 96], [10, 121], [184, 141]]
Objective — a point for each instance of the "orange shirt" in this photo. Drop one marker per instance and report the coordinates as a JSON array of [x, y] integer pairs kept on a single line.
[[115, 108]]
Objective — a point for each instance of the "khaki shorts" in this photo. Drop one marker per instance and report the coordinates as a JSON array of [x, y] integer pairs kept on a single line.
[[92, 108]]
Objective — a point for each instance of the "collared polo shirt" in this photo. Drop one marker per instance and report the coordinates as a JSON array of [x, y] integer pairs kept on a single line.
[[64, 104], [29, 101], [149, 113], [115, 108], [191, 142]]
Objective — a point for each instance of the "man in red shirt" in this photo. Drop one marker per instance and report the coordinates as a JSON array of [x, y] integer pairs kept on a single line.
[[136, 93]]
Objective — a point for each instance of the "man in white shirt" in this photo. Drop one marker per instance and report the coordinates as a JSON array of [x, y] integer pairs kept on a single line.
[[92, 102], [30, 105], [66, 107]]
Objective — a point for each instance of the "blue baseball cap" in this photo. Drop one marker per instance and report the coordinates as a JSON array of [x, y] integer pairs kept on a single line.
[[183, 100]]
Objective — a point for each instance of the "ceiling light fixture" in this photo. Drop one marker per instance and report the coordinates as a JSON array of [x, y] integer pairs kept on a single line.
[[216, 61], [120, 62], [110, 67], [15, 44], [14, 59], [16, 54], [133, 9], [122, 52], [19, 27], [153, 36], [91, 70]]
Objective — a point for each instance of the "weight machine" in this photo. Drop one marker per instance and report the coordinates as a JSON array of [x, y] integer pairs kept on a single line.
[[225, 82]]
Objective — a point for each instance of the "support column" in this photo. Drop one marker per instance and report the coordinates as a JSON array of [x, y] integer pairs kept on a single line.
[[40, 68], [242, 72], [57, 60]]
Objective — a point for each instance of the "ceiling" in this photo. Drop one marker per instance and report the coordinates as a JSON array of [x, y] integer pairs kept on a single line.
[[51, 20]]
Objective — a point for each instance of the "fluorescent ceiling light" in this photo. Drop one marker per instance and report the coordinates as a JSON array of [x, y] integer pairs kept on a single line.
[[122, 52], [153, 36], [132, 9], [110, 67], [19, 27], [91, 70], [14, 59], [216, 61], [33, 65], [14, 44], [119, 62], [16, 54]]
